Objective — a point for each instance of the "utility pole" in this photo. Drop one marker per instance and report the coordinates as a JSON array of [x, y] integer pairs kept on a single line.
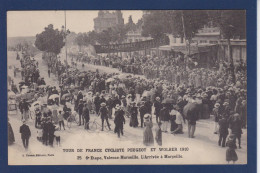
[[66, 42], [184, 34]]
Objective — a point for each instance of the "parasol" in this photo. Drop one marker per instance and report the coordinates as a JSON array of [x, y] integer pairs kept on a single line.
[[41, 86], [168, 100], [65, 96], [35, 104], [24, 87], [54, 96], [190, 109], [122, 76], [110, 80]]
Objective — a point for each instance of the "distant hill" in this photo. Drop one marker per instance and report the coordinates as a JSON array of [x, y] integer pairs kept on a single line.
[[12, 41]]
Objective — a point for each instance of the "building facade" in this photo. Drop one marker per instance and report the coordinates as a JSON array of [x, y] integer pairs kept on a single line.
[[208, 34], [107, 20], [135, 36]]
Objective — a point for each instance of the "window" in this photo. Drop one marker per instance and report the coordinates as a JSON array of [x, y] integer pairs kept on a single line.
[[213, 42]]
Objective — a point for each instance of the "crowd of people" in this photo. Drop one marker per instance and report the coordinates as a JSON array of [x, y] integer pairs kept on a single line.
[[169, 95]]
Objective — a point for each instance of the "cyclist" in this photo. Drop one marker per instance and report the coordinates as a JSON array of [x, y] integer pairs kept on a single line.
[[103, 112]]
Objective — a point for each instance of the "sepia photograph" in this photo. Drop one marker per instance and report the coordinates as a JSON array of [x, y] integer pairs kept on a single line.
[[127, 87]]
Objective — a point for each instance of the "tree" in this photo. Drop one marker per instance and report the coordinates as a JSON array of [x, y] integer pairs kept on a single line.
[[232, 24], [156, 24], [180, 23], [82, 39], [105, 37], [50, 40]]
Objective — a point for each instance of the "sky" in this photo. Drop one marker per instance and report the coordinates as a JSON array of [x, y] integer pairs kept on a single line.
[[30, 23]]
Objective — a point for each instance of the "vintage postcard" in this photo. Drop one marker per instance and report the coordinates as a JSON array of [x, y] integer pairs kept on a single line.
[[118, 87]]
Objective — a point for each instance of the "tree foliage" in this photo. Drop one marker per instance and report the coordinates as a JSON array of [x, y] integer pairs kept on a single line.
[[156, 24], [50, 40], [232, 23], [115, 34], [161, 22]]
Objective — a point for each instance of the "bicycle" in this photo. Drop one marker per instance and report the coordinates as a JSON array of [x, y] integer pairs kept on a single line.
[[93, 125], [72, 119], [126, 113]]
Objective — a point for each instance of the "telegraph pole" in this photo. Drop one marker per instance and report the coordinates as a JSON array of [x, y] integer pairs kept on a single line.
[[184, 34], [66, 42]]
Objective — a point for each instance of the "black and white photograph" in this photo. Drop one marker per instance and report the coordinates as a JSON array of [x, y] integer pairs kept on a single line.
[[127, 87]]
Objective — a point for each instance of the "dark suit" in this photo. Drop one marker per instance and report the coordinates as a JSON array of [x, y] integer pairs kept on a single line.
[[25, 135], [86, 117]]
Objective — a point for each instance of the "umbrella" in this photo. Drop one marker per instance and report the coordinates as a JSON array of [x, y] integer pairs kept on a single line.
[[122, 76], [37, 103], [168, 100], [110, 80], [41, 86], [65, 96], [54, 96], [21, 83], [82, 75], [24, 87], [190, 109]]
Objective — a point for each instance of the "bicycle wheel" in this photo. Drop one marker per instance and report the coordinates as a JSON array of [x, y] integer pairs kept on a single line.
[[69, 122], [32, 115], [76, 120], [92, 126], [107, 128], [127, 114]]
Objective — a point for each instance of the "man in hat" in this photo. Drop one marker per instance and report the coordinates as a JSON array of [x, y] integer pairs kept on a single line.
[[102, 98], [38, 116], [97, 102], [25, 134], [24, 108], [50, 131], [236, 127], [86, 116], [80, 111], [103, 112], [216, 114], [110, 105], [223, 131], [143, 111], [164, 117], [119, 120], [158, 107]]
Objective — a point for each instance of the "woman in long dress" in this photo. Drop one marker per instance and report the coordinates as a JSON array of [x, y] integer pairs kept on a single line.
[[148, 133], [133, 119], [10, 134]]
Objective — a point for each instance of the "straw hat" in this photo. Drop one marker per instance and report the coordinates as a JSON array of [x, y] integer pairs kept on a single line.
[[225, 103], [217, 105], [147, 116], [117, 106], [103, 104]]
